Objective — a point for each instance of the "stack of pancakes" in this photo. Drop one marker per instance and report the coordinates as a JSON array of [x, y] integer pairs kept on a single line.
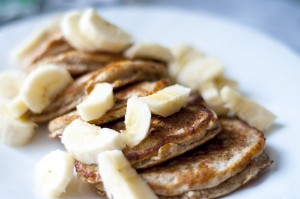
[[190, 154]]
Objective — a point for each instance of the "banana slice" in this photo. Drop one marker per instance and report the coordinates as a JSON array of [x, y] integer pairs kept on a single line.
[[42, 85], [212, 98], [99, 101], [199, 71], [137, 121], [120, 180], [14, 132], [106, 36], [10, 84], [168, 100], [85, 141], [72, 33], [17, 107], [253, 113], [53, 173], [149, 51], [222, 81], [183, 55]]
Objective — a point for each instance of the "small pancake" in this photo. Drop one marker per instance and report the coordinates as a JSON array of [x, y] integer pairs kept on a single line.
[[169, 137], [57, 126], [53, 44], [212, 163], [79, 63], [216, 168]]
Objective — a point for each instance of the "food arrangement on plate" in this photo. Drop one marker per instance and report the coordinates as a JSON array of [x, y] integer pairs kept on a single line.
[[138, 120]]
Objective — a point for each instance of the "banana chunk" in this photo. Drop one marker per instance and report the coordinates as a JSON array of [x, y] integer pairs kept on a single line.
[[253, 113], [104, 35], [222, 81], [137, 121], [99, 101], [15, 132], [149, 51], [168, 100], [212, 98], [72, 33], [10, 84], [53, 173], [199, 71], [183, 54], [120, 180], [42, 85], [17, 107], [85, 141]]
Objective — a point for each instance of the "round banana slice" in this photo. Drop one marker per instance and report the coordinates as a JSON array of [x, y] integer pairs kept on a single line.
[[106, 36], [17, 107], [70, 29], [149, 51], [212, 98], [99, 101], [168, 100], [85, 141], [53, 173], [120, 179], [137, 121], [42, 85], [253, 113], [199, 71], [10, 83], [183, 54], [15, 132]]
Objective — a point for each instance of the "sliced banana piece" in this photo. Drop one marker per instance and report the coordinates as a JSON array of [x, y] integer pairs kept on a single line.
[[222, 81], [72, 33], [104, 35], [168, 100], [10, 83], [17, 107], [253, 113], [120, 180], [149, 50], [200, 71], [137, 121], [100, 100], [14, 132], [42, 85], [212, 98], [183, 54], [53, 173], [85, 141]]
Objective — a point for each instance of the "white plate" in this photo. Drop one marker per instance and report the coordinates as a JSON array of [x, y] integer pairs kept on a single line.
[[268, 72]]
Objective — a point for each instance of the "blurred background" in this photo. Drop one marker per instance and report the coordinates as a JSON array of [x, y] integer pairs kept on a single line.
[[277, 18]]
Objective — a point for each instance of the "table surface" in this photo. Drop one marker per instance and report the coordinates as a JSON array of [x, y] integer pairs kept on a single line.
[[277, 18]]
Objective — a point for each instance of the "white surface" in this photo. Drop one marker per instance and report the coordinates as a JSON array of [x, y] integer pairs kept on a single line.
[[268, 72]]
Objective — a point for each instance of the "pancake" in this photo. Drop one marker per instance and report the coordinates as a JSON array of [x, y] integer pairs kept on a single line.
[[216, 168], [57, 125], [79, 63]]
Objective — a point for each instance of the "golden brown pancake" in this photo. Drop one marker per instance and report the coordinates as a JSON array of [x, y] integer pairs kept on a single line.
[[57, 126], [79, 63], [169, 136], [53, 44], [216, 168]]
